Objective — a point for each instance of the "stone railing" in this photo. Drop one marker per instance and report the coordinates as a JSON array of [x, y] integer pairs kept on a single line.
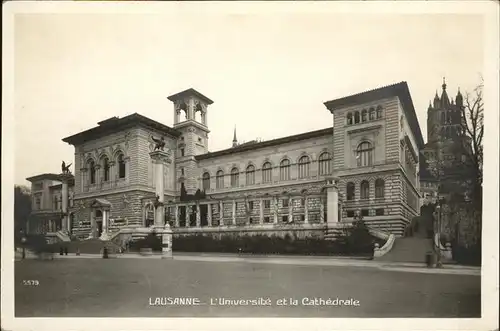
[[445, 252], [381, 251], [63, 236]]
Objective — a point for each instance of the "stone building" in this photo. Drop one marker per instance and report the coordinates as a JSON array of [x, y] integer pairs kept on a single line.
[[47, 203], [440, 154], [303, 184]]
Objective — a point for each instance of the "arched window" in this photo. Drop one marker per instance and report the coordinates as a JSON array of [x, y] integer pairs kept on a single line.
[[105, 167], [364, 154], [379, 112], [350, 191], [219, 179], [356, 117], [250, 174], [324, 163], [121, 166], [285, 169], [235, 177], [304, 163], [379, 189], [364, 115], [365, 189], [267, 172], [91, 166], [372, 114], [349, 118], [206, 181]]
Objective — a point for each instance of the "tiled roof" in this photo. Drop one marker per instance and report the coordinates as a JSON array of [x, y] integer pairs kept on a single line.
[[256, 145], [114, 124]]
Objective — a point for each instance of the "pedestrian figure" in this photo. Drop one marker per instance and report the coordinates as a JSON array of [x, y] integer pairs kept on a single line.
[[61, 252], [65, 250]]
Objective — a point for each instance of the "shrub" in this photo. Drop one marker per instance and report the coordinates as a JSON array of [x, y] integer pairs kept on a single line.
[[150, 241], [262, 244]]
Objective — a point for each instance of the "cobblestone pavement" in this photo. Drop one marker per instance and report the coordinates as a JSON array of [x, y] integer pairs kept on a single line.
[[128, 288]]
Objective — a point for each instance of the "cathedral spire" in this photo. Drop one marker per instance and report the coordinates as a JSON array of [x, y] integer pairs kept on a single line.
[[235, 140], [445, 101]]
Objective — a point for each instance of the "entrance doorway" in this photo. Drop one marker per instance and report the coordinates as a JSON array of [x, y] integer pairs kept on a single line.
[[99, 227], [98, 222]]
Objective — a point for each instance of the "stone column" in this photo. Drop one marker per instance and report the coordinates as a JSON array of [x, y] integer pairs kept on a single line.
[[188, 216], [93, 227], [198, 216], [322, 210], [176, 213], [160, 159], [234, 212], [275, 210], [105, 221], [221, 213], [261, 211], [332, 199], [290, 209], [64, 199], [209, 214], [306, 209]]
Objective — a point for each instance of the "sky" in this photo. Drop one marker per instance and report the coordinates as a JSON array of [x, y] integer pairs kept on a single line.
[[268, 74]]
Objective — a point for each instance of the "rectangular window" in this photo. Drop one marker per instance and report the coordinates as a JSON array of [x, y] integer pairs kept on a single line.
[[350, 213], [267, 204], [267, 219], [364, 212], [250, 205], [38, 204], [379, 211], [182, 151], [284, 219], [284, 202]]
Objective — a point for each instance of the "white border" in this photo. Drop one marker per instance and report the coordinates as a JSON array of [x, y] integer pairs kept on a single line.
[[489, 321]]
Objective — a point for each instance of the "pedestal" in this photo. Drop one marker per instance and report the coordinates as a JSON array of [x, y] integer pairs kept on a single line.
[[64, 197], [160, 160], [166, 239], [332, 201]]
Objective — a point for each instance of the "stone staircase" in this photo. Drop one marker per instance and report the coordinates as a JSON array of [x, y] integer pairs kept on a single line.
[[409, 249], [413, 248]]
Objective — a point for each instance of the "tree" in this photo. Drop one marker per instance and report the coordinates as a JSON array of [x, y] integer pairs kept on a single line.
[[471, 142], [22, 208]]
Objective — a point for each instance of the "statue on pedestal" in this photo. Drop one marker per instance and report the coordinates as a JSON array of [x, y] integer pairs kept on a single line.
[[157, 201], [159, 143], [65, 168]]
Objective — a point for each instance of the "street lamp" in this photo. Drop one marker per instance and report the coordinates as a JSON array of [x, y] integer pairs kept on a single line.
[[438, 232], [23, 241]]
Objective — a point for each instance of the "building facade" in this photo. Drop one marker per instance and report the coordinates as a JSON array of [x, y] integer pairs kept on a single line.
[[366, 162]]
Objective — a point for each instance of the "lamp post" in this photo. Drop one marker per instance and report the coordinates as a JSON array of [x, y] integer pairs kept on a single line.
[[23, 241], [438, 244]]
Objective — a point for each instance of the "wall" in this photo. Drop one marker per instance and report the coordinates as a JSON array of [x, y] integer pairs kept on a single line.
[[382, 133], [273, 154], [126, 208]]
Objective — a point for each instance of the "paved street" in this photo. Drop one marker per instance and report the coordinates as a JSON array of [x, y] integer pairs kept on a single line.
[[123, 287]]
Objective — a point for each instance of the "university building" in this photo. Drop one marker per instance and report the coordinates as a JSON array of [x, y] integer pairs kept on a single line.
[[366, 164]]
